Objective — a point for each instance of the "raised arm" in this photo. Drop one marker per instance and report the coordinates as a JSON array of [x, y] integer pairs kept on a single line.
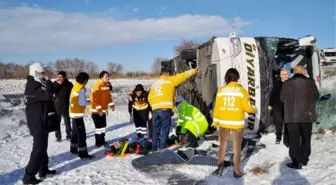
[[180, 78]]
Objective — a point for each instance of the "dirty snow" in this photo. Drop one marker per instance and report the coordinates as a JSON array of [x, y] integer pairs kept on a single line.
[[16, 144]]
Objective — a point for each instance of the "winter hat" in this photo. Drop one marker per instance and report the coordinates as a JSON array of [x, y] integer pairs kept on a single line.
[[36, 69]]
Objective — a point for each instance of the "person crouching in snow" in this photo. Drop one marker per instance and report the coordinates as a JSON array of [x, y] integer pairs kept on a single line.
[[77, 108], [191, 123], [139, 110], [232, 101], [101, 100]]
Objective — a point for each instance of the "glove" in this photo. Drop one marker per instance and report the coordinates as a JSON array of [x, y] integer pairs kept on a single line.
[[150, 115]]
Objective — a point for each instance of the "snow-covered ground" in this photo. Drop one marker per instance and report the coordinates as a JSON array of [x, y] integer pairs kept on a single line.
[[16, 144]]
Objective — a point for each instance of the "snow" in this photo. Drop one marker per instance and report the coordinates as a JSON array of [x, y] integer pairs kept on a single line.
[[16, 144]]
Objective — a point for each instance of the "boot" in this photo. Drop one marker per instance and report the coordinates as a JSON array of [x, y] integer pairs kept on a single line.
[[74, 149], [98, 140], [103, 142], [48, 172], [210, 130], [238, 175], [84, 155], [30, 179], [305, 162], [218, 171], [293, 165]]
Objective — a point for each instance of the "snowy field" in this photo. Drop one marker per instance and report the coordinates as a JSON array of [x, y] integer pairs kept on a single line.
[[16, 144]]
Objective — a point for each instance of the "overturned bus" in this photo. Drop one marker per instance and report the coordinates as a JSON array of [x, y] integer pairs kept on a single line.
[[258, 60]]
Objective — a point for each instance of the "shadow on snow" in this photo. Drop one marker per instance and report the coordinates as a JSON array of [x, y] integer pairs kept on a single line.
[[16, 175]]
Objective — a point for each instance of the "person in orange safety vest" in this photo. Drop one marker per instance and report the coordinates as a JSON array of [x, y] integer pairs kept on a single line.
[[101, 101]]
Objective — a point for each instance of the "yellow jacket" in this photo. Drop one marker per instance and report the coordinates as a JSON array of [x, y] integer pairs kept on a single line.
[[232, 101], [162, 93], [76, 110], [100, 98]]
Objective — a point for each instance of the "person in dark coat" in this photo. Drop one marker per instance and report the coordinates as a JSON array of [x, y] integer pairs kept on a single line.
[[299, 95], [62, 88], [276, 106], [41, 117]]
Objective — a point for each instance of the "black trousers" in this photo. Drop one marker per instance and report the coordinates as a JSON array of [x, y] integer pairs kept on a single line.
[[140, 120], [67, 124], [38, 162], [278, 123], [299, 135], [100, 124], [190, 140], [78, 138]]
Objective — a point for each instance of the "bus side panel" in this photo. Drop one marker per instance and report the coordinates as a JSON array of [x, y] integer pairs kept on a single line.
[[247, 62]]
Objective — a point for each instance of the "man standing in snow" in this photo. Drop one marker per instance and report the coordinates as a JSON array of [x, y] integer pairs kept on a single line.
[[276, 106], [299, 95], [62, 88], [41, 116], [161, 99]]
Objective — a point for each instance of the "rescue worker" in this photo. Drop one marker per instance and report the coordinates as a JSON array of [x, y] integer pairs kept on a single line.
[[276, 106], [232, 101], [41, 116], [101, 101], [77, 108], [161, 98], [139, 110], [191, 123]]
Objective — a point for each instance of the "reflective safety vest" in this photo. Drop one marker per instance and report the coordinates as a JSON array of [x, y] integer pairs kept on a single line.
[[190, 118], [75, 110], [162, 92], [138, 103], [101, 98], [232, 101]]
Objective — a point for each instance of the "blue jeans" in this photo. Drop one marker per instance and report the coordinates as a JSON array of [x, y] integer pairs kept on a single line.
[[162, 124]]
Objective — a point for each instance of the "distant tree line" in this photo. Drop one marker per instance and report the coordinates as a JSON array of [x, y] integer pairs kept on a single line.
[[72, 67], [75, 65]]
